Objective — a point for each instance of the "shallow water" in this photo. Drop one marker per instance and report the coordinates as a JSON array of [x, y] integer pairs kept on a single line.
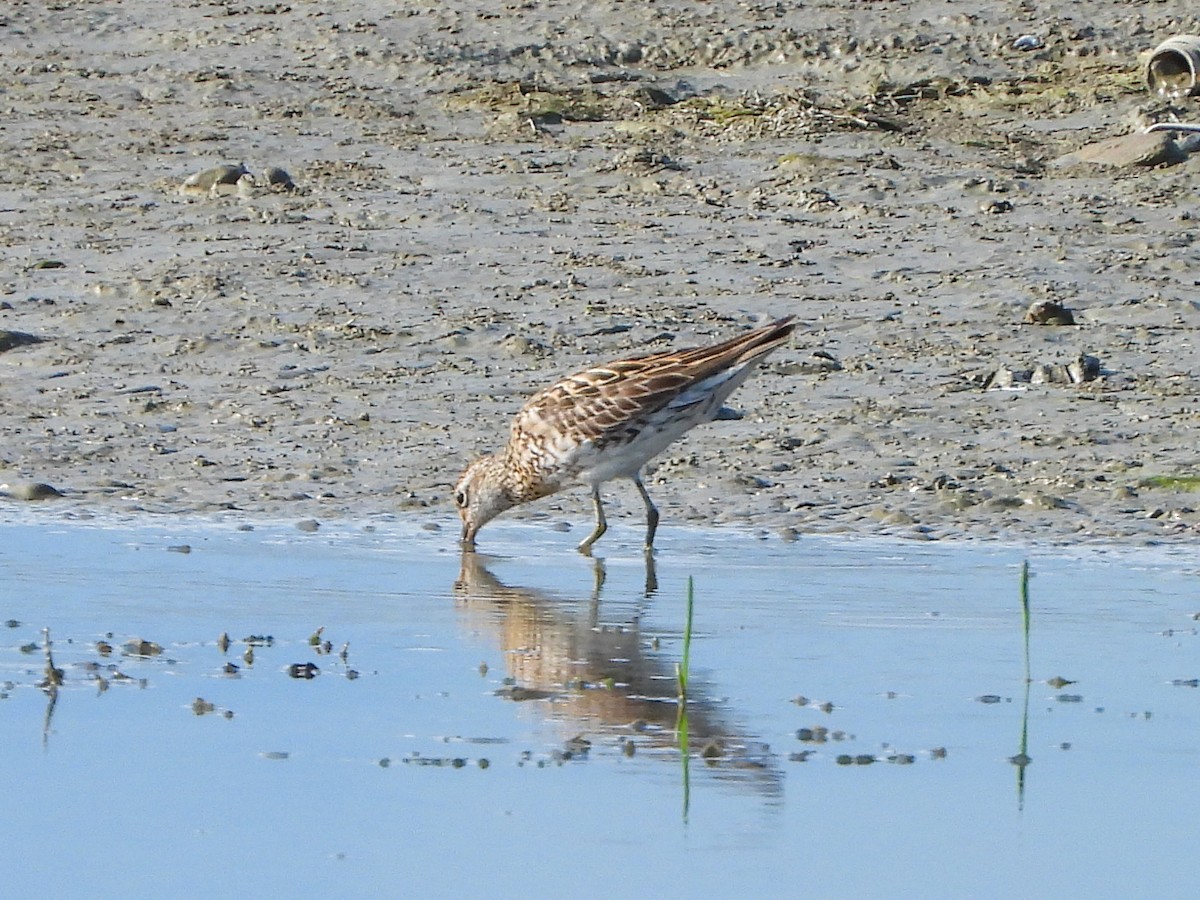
[[440, 754]]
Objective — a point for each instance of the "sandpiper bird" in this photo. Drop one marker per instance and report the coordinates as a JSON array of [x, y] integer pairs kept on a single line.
[[606, 422]]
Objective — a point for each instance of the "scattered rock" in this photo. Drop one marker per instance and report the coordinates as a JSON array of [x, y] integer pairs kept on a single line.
[[819, 362], [1083, 368], [712, 749], [1003, 378], [1048, 312], [306, 670], [11, 339], [521, 345], [210, 180], [140, 647], [892, 517], [278, 179], [641, 160], [1040, 500], [30, 490], [202, 707], [1127, 151]]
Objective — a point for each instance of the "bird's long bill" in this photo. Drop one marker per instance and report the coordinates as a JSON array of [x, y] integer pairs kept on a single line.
[[468, 535]]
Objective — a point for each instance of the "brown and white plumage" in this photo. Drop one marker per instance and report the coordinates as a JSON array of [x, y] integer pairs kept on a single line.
[[606, 422]]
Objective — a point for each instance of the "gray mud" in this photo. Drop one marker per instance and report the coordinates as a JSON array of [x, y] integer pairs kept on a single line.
[[476, 200]]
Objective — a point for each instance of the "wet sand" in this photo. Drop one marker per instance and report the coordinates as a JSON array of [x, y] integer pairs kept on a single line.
[[485, 200]]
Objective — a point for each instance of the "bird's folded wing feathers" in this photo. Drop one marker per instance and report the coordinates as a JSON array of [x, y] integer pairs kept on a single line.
[[594, 402]]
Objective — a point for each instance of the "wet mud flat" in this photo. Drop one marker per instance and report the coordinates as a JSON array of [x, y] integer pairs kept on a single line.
[[427, 212], [360, 706]]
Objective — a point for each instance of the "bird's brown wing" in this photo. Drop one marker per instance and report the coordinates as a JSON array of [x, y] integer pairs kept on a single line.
[[597, 403]]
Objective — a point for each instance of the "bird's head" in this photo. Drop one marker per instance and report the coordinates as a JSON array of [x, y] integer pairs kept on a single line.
[[480, 496]]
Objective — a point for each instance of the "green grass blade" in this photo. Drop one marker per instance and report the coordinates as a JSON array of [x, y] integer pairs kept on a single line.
[[681, 728], [683, 667], [1025, 613]]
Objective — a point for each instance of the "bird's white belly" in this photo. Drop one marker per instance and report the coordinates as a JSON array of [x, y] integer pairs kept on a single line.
[[622, 460]]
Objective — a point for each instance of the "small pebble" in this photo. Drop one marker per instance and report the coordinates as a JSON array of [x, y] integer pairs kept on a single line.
[[209, 180], [11, 339], [30, 490], [279, 179]]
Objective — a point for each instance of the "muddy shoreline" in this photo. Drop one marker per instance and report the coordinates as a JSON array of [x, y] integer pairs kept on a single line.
[[485, 201]]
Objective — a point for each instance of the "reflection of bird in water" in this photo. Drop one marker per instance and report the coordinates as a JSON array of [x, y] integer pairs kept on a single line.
[[607, 422], [597, 677]]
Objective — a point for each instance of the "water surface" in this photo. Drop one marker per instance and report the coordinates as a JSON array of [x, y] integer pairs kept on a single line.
[[506, 723]]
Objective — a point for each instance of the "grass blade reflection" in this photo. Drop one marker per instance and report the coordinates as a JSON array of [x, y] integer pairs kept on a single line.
[[681, 721], [1022, 758]]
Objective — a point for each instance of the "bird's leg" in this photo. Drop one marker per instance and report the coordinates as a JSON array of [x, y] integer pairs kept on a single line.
[[651, 575], [599, 574], [651, 511], [601, 524]]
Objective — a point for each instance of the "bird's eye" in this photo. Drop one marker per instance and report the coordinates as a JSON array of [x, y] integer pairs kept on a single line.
[[460, 499]]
